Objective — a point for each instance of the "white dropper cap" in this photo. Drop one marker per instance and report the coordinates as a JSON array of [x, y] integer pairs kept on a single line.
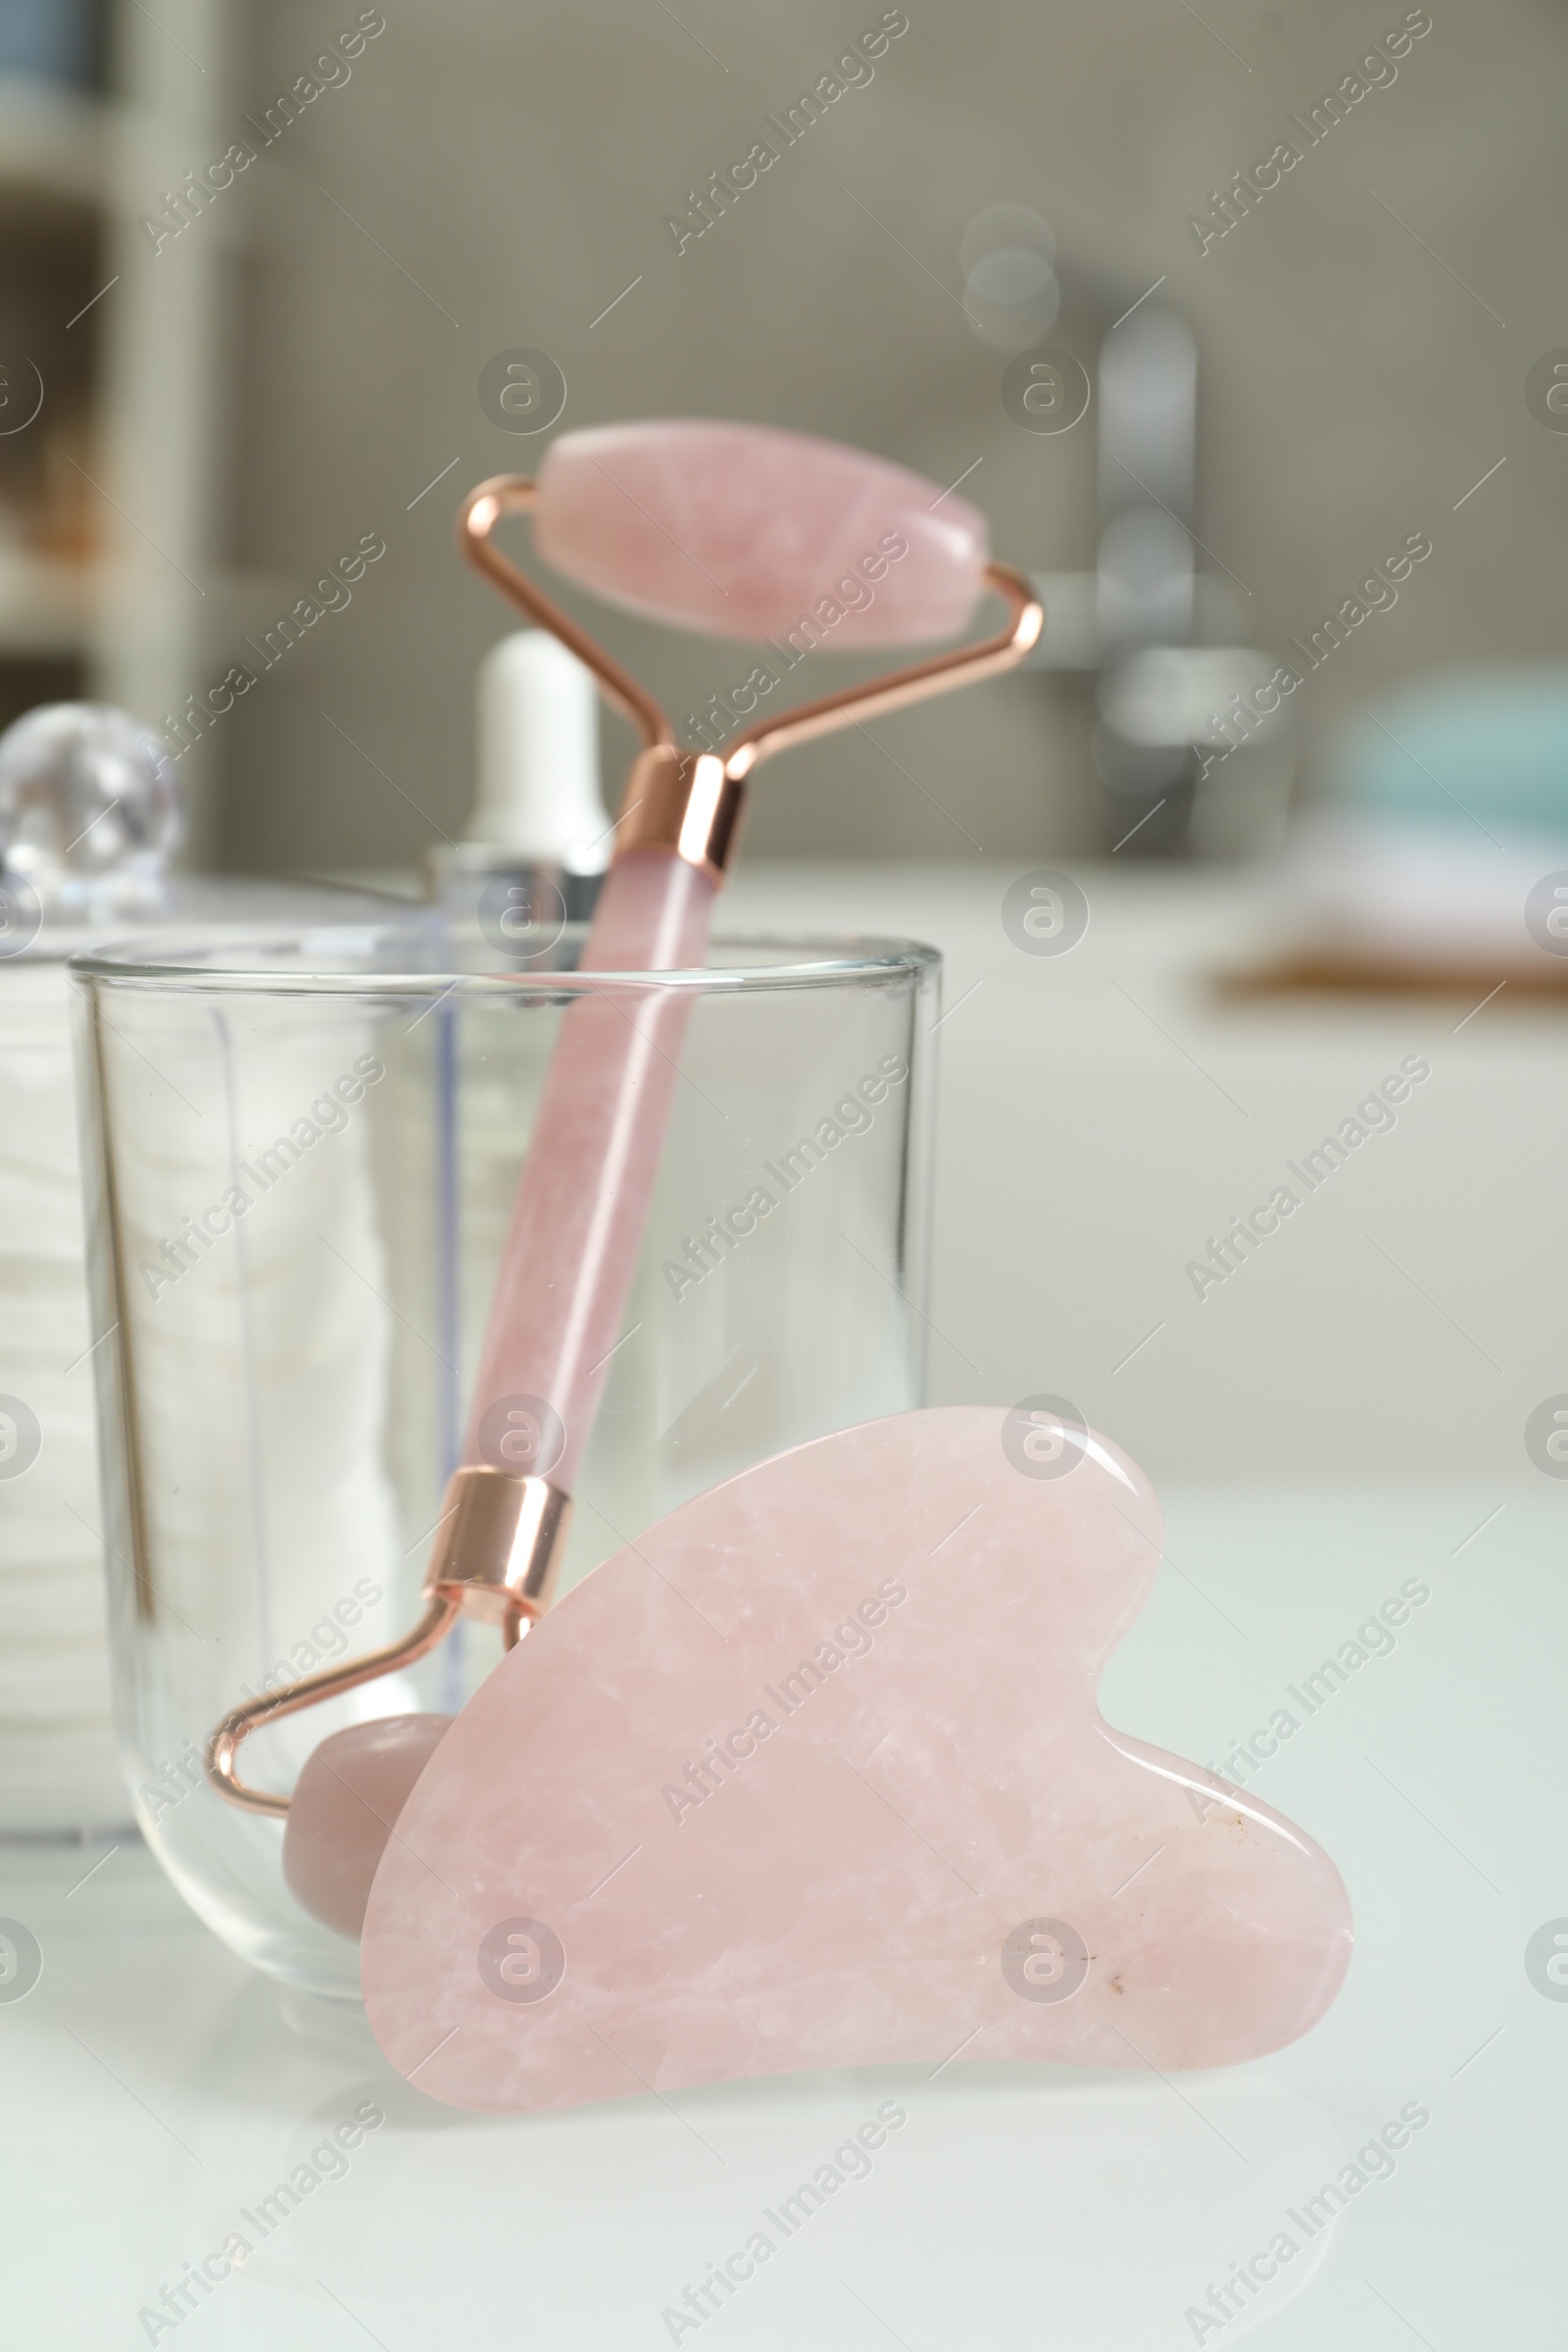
[[539, 797]]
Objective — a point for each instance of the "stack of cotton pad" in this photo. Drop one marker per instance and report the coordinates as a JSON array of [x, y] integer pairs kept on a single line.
[[58, 1774], [90, 814], [261, 1365], [57, 1761]]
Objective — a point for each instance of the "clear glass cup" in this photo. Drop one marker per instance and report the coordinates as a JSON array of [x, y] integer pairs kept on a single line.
[[301, 1153]]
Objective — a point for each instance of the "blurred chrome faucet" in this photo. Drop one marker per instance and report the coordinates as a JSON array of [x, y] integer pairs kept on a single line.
[[1179, 743], [1147, 442], [1194, 765]]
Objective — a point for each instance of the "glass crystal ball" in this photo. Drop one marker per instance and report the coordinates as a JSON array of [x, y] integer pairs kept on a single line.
[[90, 810]]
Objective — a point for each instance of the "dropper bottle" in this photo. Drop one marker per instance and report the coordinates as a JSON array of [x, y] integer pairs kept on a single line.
[[536, 847]]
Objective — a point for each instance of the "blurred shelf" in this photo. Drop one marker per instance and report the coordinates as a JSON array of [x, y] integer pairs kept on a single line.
[[142, 382], [46, 606], [50, 605], [54, 146]]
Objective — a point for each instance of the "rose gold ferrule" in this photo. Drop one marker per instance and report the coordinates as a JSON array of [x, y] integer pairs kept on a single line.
[[682, 802], [498, 1549]]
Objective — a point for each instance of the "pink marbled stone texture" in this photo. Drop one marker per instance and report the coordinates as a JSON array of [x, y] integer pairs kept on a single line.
[[843, 1893], [744, 530]]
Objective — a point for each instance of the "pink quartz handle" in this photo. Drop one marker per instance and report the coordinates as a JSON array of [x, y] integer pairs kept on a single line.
[[741, 530], [583, 1198], [571, 1252]]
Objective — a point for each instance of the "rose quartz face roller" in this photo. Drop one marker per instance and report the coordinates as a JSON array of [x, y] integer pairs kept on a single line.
[[744, 533], [812, 1775]]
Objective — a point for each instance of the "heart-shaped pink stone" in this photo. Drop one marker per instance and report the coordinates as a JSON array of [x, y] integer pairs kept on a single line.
[[743, 530], [812, 1775]]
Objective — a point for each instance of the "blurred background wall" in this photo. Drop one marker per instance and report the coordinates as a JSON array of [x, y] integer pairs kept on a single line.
[[268, 371], [297, 369]]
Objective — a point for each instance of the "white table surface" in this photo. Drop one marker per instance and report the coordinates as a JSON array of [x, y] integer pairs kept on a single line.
[[153, 2088]]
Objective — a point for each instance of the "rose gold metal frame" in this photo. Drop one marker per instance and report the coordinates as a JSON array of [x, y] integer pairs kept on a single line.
[[223, 1748], [497, 1551], [496, 1558], [690, 802]]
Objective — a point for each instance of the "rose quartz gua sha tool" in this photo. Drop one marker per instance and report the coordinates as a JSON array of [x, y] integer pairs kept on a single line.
[[727, 529], [812, 1775]]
